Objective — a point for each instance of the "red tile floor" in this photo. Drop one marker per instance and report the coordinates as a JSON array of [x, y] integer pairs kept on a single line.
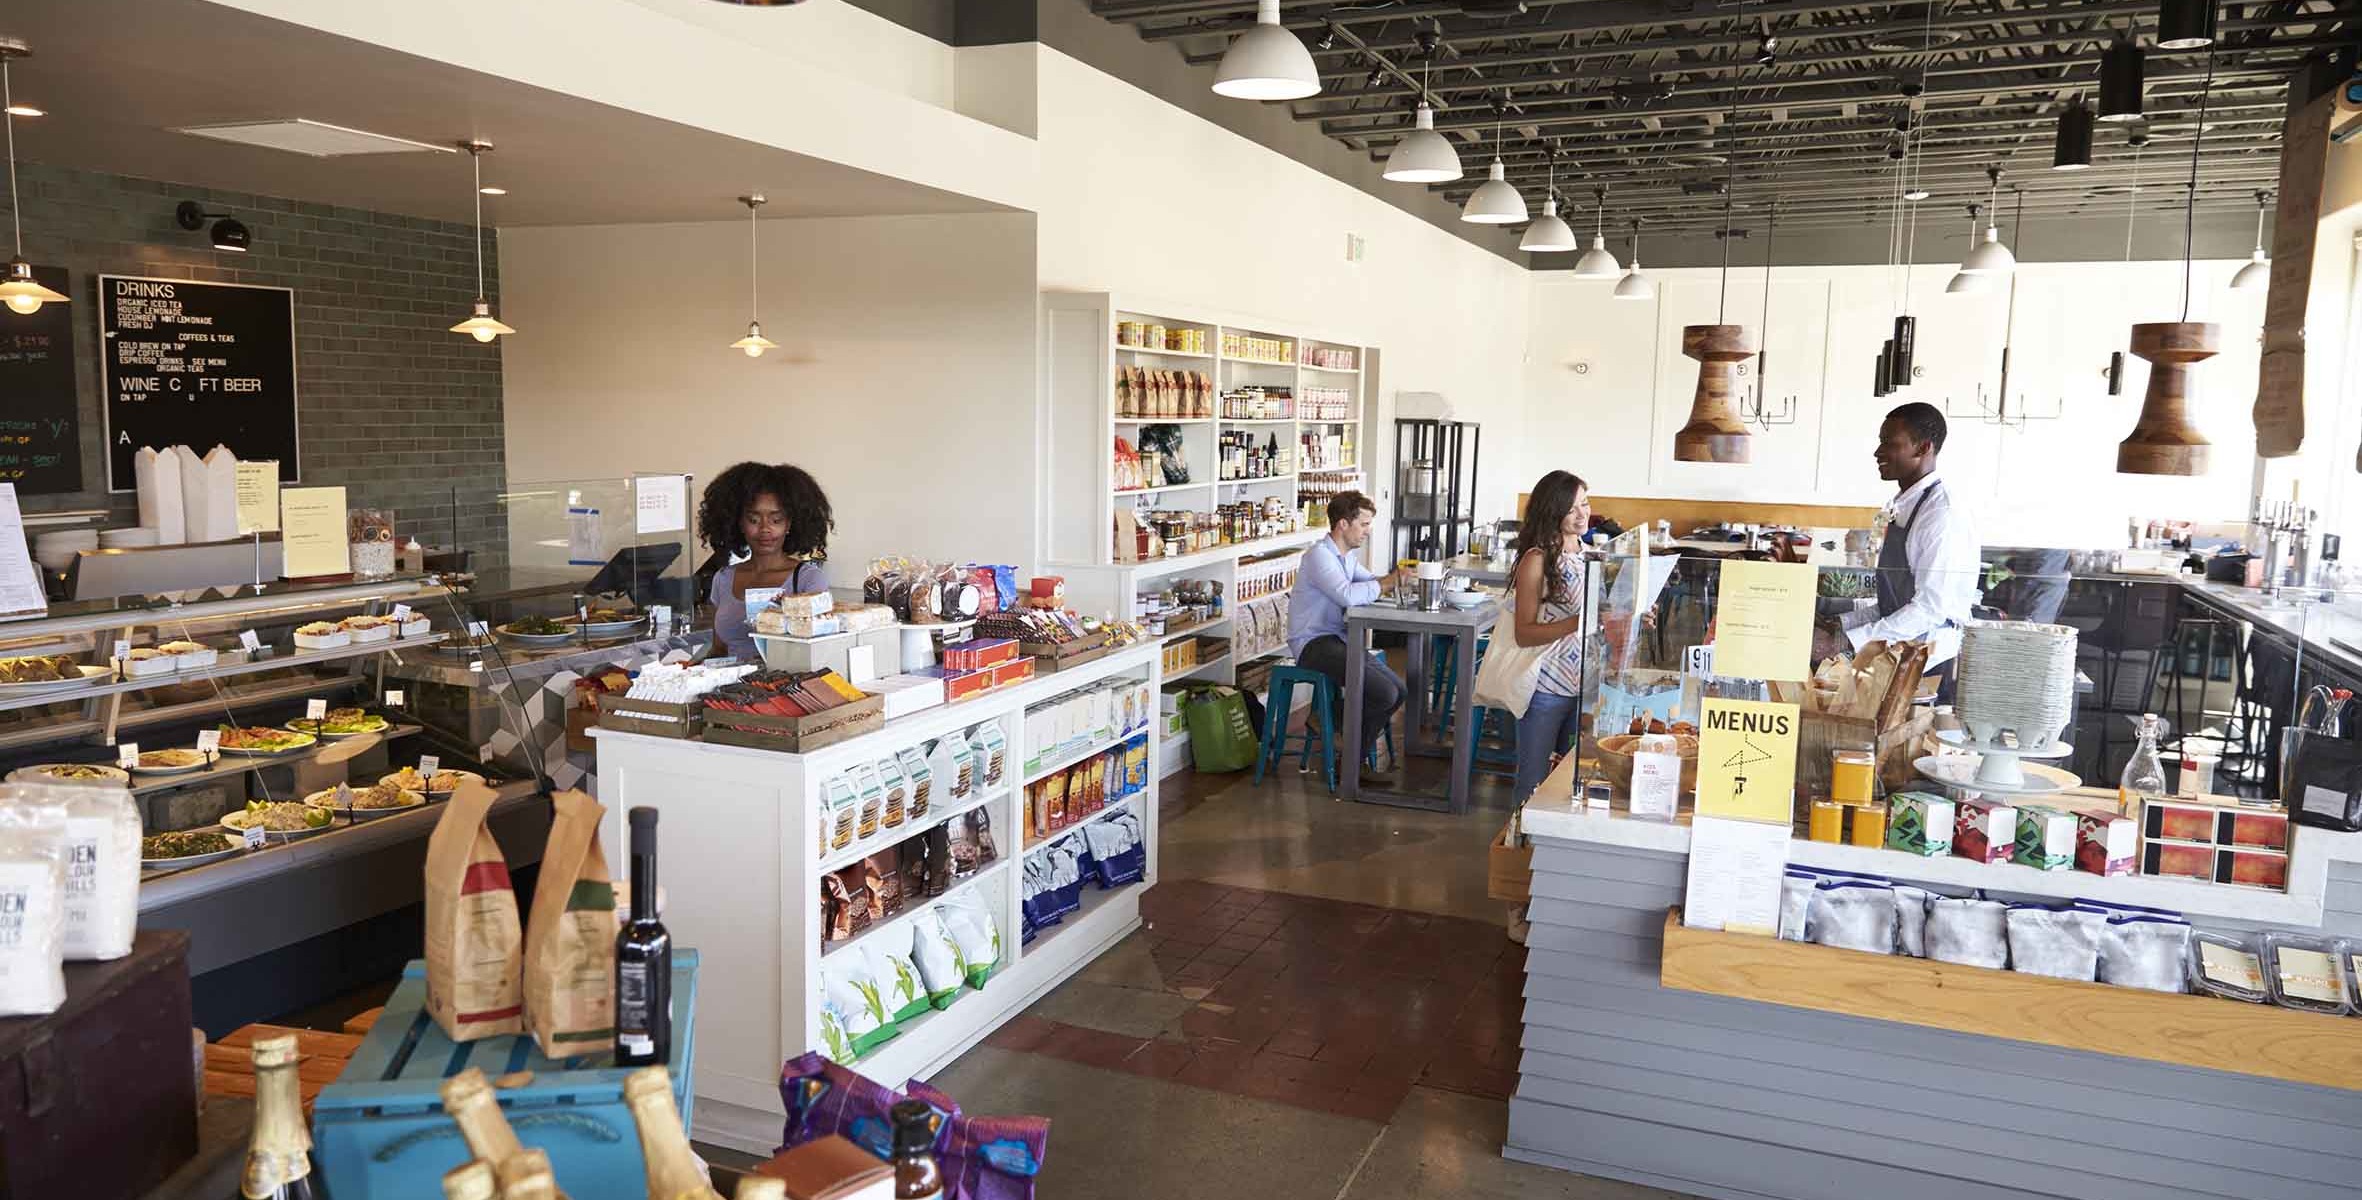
[[1321, 1004]]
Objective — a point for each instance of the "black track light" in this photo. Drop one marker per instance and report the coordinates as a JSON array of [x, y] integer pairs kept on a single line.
[[1328, 38], [2121, 67], [2185, 24], [2073, 152], [228, 233]]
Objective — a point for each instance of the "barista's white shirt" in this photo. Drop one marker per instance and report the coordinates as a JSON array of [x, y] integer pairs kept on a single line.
[[1946, 566]]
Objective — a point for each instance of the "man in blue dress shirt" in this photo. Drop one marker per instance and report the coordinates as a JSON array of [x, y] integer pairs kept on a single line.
[[1330, 580]]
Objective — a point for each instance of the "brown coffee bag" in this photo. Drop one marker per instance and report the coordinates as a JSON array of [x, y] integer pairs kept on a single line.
[[570, 936], [474, 947]]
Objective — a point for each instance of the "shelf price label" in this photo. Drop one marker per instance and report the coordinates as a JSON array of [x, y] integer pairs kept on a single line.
[[660, 619], [315, 709], [127, 755], [393, 697], [249, 640], [476, 665], [401, 612], [428, 764], [477, 629], [254, 837], [209, 742], [122, 649]]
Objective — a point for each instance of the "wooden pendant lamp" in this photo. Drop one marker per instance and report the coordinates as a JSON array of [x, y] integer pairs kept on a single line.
[[1715, 434], [2164, 441]]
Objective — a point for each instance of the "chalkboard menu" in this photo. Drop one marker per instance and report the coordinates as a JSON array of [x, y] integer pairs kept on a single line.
[[196, 364], [40, 432]]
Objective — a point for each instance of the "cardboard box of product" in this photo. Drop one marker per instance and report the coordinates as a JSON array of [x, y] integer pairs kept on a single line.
[[1984, 830], [2178, 860], [1509, 866], [2106, 844], [2046, 839], [1919, 823]]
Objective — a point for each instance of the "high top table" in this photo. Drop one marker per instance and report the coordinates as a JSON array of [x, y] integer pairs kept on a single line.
[[1462, 625]]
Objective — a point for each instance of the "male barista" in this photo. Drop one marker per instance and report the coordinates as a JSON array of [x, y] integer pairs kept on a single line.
[[1330, 580], [1929, 561]]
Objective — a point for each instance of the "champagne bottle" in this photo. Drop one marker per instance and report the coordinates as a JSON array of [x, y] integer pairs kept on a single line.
[[279, 1152], [468, 1097], [916, 1174], [473, 1181], [761, 1187], [643, 961], [526, 1175], [673, 1171]]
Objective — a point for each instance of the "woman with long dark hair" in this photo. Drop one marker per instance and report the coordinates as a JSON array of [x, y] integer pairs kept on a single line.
[[772, 524], [1547, 609]]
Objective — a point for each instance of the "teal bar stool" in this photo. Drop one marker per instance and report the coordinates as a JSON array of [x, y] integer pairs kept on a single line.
[[1279, 702]]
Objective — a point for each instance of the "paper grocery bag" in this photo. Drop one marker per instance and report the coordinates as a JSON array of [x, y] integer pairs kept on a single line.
[[570, 936], [157, 478], [474, 948]]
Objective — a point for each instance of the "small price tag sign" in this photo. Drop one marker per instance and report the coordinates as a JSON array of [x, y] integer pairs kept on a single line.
[[344, 795], [476, 665], [315, 709], [127, 755], [401, 612], [254, 837], [1698, 661], [249, 640], [428, 764], [209, 742], [393, 697], [122, 649], [477, 629]]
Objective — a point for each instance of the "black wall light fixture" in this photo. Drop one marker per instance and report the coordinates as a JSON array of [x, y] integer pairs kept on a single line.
[[229, 233]]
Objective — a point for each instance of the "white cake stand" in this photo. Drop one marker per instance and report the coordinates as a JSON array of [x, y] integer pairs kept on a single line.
[[1997, 769]]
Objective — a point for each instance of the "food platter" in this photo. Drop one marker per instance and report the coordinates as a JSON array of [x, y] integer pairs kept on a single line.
[[537, 640], [173, 761], [294, 743], [90, 675], [231, 845], [352, 726], [403, 777], [238, 822], [606, 629], [325, 798], [87, 774]]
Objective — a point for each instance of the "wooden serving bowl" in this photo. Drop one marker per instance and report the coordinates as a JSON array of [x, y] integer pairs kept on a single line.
[[1615, 761]]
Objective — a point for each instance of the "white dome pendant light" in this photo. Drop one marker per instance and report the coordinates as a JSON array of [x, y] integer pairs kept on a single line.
[[1549, 233], [754, 343], [1990, 257], [1266, 62], [1597, 263], [1962, 281], [481, 324], [1495, 202], [23, 294], [2258, 271], [1423, 155], [1634, 285]]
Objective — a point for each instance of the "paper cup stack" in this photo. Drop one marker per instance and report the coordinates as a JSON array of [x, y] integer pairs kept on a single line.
[[2016, 677]]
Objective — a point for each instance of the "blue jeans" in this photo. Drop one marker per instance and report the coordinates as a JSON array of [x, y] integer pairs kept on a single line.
[[1549, 723]]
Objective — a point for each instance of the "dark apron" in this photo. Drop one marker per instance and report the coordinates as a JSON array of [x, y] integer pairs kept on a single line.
[[1896, 586]]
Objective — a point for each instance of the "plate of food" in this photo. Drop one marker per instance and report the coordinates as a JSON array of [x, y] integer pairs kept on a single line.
[[280, 820], [262, 740], [607, 623], [187, 848], [361, 804], [47, 672], [365, 629], [341, 723], [99, 774], [538, 632], [322, 635], [443, 783], [177, 760]]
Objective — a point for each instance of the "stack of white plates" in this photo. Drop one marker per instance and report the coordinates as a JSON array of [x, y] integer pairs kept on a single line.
[[55, 550], [136, 535], [2016, 677]]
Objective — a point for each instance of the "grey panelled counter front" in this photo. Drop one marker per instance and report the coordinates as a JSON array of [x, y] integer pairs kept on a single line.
[[1624, 1078]]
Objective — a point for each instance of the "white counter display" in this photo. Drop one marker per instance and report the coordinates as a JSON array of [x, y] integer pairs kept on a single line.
[[741, 866], [1734, 1066]]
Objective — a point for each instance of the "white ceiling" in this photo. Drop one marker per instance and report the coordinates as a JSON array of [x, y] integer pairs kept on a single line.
[[117, 76]]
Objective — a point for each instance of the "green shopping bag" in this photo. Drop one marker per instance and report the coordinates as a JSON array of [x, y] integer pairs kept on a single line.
[[1221, 736]]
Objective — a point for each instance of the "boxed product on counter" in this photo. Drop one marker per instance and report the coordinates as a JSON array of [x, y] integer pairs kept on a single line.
[[2186, 820], [906, 694], [1919, 823], [2105, 844], [1984, 830], [2046, 839]]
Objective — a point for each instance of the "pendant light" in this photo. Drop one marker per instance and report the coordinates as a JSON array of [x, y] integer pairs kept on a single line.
[[1549, 233], [1990, 257], [2072, 151], [2185, 24], [1634, 285], [2258, 270], [1423, 155], [2163, 441], [481, 324], [1714, 433], [754, 343], [1266, 62], [23, 294], [1495, 202], [2122, 65], [1963, 281], [1597, 262]]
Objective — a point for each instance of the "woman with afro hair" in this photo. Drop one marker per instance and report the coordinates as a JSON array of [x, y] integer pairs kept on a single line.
[[771, 525]]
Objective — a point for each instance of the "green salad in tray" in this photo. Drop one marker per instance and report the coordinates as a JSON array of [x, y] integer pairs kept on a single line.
[[536, 627], [340, 722]]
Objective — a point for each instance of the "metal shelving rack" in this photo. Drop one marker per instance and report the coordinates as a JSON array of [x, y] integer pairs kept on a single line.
[[1435, 487]]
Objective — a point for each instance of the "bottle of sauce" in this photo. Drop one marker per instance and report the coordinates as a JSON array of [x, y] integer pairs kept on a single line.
[[279, 1151], [916, 1174], [643, 961]]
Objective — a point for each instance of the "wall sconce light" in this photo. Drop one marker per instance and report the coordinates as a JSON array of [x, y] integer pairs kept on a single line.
[[228, 233]]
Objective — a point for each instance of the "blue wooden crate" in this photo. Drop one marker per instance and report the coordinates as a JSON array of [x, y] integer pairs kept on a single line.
[[379, 1131]]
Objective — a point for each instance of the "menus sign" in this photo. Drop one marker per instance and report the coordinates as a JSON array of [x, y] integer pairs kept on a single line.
[[315, 540], [40, 432], [195, 364]]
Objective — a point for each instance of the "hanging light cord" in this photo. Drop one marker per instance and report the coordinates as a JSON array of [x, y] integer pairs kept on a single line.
[[2190, 207], [1771, 231], [1730, 166], [475, 157], [2132, 202], [754, 265], [1722, 303], [16, 218]]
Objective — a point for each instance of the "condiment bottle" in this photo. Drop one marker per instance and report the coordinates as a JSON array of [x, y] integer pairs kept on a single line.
[[916, 1175]]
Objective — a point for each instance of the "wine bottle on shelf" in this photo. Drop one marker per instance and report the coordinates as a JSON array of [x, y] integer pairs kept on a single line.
[[526, 1176], [473, 1181], [673, 1171], [279, 1151], [917, 1176], [643, 961], [468, 1097]]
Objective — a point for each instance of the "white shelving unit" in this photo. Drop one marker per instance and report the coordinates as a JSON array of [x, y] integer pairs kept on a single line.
[[740, 840]]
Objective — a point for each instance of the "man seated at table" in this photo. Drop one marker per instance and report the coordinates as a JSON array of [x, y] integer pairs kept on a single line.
[[1330, 580]]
